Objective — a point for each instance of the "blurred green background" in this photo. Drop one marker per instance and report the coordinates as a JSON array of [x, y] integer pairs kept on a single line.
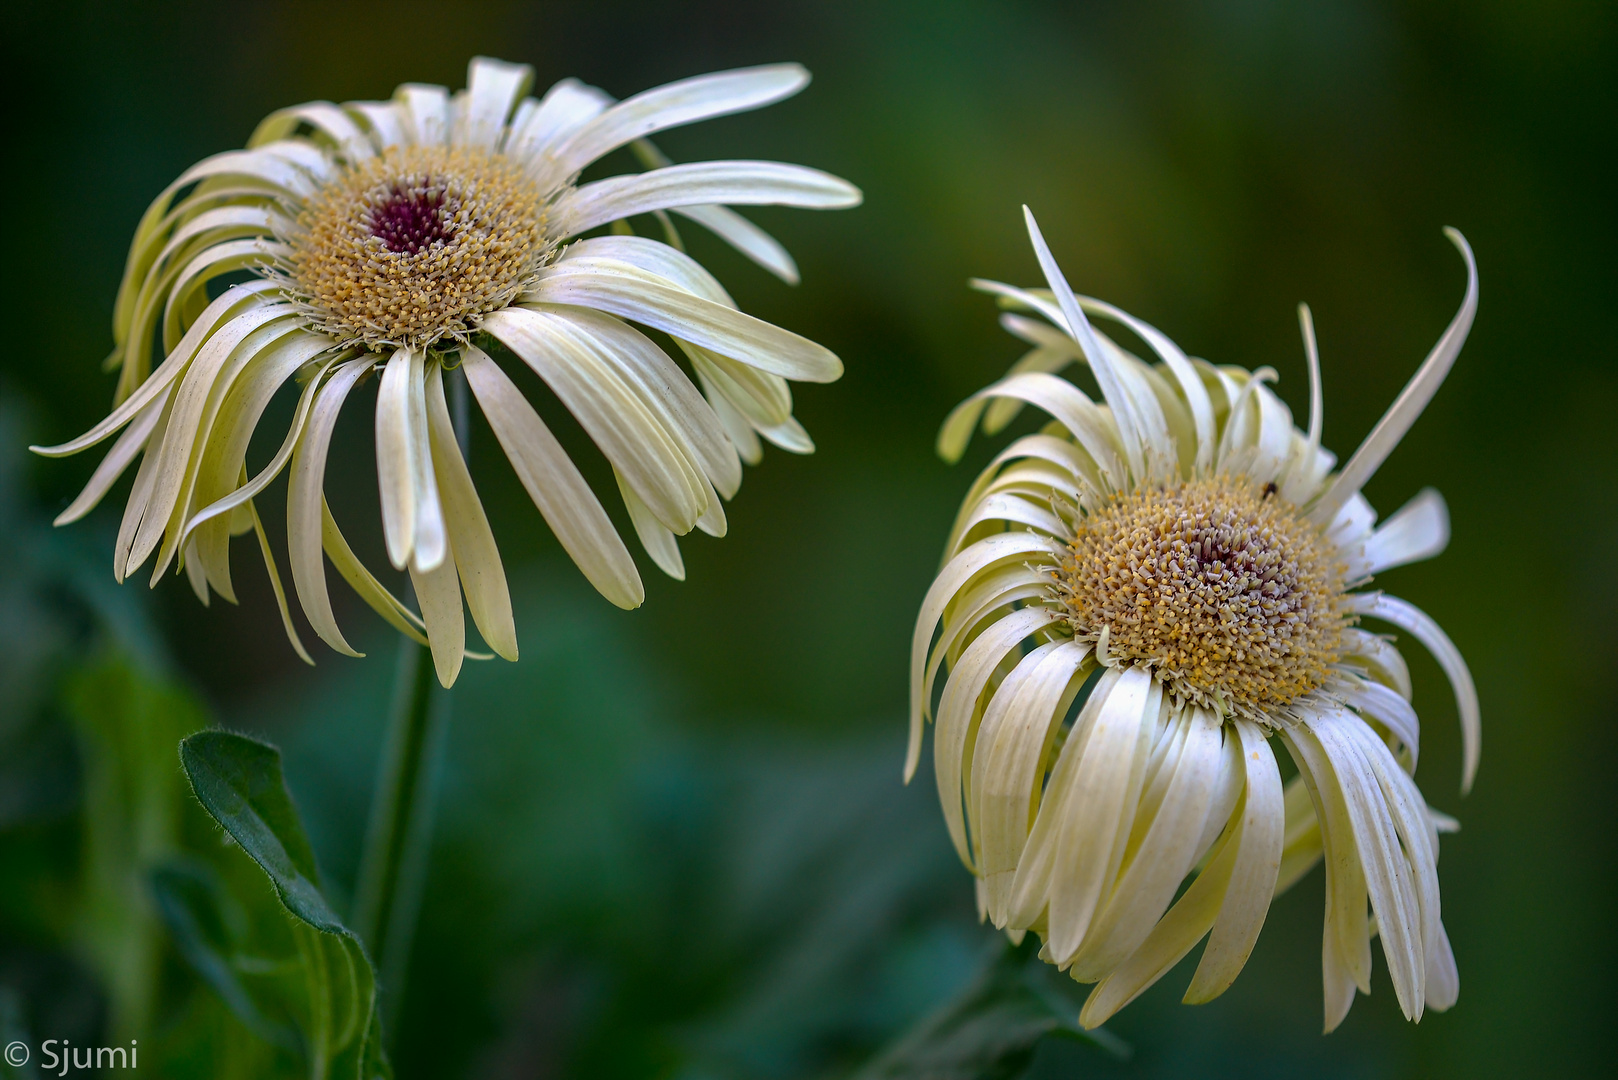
[[673, 841]]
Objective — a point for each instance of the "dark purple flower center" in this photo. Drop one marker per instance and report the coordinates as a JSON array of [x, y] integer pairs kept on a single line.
[[410, 219]]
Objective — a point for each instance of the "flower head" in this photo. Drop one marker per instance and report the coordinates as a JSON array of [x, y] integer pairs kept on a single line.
[[1134, 602], [389, 243]]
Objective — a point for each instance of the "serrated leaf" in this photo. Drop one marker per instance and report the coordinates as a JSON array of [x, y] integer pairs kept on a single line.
[[239, 782]]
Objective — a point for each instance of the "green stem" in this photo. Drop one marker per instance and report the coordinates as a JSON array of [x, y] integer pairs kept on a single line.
[[393, 864]]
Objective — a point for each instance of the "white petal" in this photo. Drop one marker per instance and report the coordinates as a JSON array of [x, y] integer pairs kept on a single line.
[[383, 119], [1065, 402], [471, 542], [425, 111], [736, 183], [566, 107], [961, 569], [660, 544], [1420, 530], [324, 117], [188, 427], [492, 89], [1380, 658], [554, 483], [1012, 743], [363, 582], [395, 444], [1099, 814], [665, 391], [131, 442], [1190, 383], [573, 362], [228, 306], [631, 293], [677, 103], [1253, 878], [1387, 707], [1345, 940], [1421, 626], [958, 711], [1152, 874], [1411, 401], [1387, 872], [305, 500], [219, 487], [745, 237], [439, 592], [1141, 426]]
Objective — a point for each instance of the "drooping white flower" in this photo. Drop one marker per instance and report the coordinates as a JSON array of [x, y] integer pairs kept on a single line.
[[383, 239], [1133, 603]]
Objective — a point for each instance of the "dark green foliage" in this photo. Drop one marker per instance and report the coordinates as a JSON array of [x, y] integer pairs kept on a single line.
[[332, 993], [990, 1029]]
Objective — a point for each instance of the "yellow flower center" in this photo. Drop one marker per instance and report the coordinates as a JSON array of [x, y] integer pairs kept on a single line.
[[1219, 586], [412, 245]]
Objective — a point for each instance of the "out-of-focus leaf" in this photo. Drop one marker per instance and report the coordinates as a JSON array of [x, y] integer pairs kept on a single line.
[[127, 726], [990, 1029], [209, 926], [238, 780]]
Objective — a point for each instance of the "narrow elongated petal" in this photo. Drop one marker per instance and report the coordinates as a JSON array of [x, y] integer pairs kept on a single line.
[[1099, 813], [477, 559], [1064, 401], [1388, 876], [393, 448], [663, 389], [958, 710], [727, 224], [425, 110], [566, 106], [745, 237], [683, 102], [1015, 736], [554, 483], [1147, 884], [1141, 426], [306, 503], [1254, 875], [1420, 625], [412, 516], [979, 557], [132, 442], [1419, 530], [250, 490], [735, 183], [363, 582], [439, 592], [571, 361], [226, 307], [492, 89], [629, 292], [1412, 400]]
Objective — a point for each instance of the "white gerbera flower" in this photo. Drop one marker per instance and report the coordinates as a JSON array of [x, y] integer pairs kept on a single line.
[[1192, 550], [383, 238]]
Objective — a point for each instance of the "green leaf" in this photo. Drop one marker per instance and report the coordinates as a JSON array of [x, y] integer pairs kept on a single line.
[[990, 1029], [126, 723], [239, 782], [209, 928]]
